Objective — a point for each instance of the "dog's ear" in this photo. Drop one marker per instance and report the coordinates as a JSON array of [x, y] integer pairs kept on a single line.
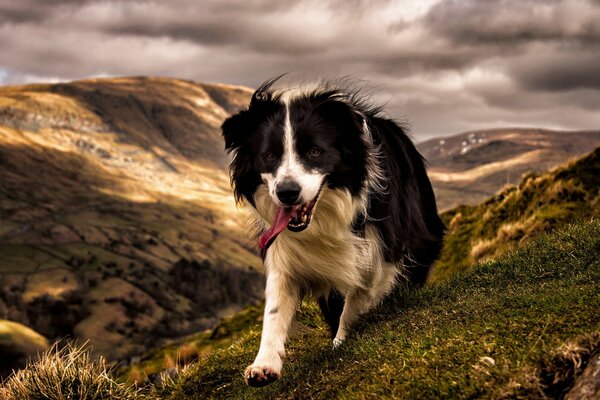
[[235, 130], [260, 96]]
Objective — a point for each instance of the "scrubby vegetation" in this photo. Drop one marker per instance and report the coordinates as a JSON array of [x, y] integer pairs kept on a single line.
[[69, 373], [538, 203]]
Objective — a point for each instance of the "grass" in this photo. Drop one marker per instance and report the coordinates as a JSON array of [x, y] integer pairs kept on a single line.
[[538, 203], [492, 332], [66, 374]]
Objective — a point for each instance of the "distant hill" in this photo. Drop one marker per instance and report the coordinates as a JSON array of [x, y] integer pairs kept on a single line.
[[117, 222], [472, 166]]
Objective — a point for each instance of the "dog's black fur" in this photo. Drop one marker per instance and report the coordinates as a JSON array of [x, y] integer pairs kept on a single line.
[[404, 212]]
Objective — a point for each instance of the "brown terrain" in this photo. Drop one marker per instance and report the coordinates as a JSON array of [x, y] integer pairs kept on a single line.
[[117, 224], [470, 167]]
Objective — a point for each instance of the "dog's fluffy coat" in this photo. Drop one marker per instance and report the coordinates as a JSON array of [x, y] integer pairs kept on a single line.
[[354, 188]]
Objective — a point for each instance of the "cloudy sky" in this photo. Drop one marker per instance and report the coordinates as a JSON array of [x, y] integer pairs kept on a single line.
[[445, 66]]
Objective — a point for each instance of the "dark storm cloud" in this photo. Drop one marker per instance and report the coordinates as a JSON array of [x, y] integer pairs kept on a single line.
[[565, 70], [447, 65]]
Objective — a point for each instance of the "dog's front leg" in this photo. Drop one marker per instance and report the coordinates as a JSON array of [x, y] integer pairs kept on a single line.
[[281, 297]]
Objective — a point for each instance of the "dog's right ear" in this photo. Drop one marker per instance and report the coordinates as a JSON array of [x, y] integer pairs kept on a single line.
[[235, 130]]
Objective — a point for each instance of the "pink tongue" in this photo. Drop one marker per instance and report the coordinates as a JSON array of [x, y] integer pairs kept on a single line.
[[281, 221]]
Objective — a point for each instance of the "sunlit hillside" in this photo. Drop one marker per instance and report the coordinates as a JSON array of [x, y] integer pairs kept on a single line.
[[117, 222]]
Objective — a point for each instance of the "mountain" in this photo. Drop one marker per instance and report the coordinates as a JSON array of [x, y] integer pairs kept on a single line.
[[113, 229], [117, 222], [468, 168]]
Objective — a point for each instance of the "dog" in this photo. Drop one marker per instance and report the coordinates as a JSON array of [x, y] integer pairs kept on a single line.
[[341, 201]]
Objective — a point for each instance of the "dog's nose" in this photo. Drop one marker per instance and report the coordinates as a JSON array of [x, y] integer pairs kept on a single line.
[[288, 192]]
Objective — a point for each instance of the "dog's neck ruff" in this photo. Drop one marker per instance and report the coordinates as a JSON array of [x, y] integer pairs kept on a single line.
[[316, 254]]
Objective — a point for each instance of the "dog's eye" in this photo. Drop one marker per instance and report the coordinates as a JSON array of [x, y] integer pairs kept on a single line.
[[314, 152], [269, 156]]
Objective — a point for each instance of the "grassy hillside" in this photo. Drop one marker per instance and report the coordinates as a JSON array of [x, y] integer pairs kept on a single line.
[[470, 167], [517, 212], [117, 222], [490, 333]]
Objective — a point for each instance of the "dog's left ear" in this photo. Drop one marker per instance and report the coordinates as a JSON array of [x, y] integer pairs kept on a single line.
[[235, 130]]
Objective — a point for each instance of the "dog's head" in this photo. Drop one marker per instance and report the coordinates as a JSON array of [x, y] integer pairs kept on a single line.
[[295, 143]]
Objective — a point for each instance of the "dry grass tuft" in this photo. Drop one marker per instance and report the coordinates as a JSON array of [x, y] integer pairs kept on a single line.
[[567, 364], [69, 373]]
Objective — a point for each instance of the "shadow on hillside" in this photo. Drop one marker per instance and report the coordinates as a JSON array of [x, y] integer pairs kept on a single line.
[[176, 269]]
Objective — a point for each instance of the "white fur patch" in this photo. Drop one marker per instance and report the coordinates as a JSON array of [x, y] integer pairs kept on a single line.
[[291, 169], [327, 255]]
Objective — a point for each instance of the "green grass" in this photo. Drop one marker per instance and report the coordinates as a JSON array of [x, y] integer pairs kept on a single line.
[[538, 203], [518, 310]]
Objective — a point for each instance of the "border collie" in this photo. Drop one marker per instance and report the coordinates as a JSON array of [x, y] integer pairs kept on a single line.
[[342, 204]]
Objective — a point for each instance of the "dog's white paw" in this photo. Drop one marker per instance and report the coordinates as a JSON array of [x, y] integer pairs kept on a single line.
[[260, 375], [337, 342]]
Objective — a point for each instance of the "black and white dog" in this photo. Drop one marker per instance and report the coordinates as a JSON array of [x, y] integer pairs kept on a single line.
[[342, 203]]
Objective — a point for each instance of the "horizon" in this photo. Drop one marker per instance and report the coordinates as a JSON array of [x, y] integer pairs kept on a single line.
[[530, 65]]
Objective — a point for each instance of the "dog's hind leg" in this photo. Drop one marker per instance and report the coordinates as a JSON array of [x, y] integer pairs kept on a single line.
[[362, 300], [332, 307], [281, 297], [356, 303]]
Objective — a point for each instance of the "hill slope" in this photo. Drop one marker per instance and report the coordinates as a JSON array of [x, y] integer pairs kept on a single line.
[[470, 167], [435, 339], [117, 222], [491, 333], [516, 213]]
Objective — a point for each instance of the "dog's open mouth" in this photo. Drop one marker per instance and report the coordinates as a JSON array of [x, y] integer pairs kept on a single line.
[[295, 218]]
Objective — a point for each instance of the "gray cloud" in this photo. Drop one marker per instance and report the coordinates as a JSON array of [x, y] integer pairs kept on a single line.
[[509, 22], [446, 65]]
